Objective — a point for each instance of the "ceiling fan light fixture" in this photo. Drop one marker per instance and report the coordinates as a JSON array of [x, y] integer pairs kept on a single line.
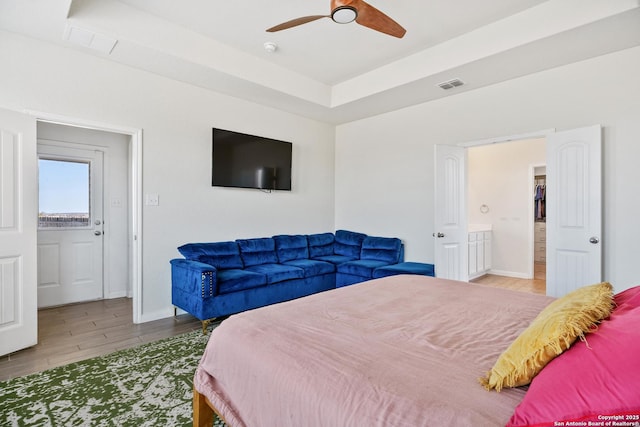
[[344, 14]]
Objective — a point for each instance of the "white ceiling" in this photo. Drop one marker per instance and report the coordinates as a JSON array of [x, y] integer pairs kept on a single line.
[[332, 72]]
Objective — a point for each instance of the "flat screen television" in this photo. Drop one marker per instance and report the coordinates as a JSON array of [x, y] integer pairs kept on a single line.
[[249, 161]]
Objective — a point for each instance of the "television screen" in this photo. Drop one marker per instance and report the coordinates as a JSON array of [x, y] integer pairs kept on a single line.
[[249, 161]]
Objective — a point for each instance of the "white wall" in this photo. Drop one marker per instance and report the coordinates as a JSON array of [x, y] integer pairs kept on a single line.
[[176, 120], [116, 178], [499, 176], [383, 175], [384, 164]]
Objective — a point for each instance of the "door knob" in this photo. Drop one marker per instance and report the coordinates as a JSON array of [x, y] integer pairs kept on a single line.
[[438, 235], [97, 232], [594, 240]]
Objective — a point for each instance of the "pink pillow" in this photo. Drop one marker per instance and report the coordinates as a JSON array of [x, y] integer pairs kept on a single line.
[[597, 380]]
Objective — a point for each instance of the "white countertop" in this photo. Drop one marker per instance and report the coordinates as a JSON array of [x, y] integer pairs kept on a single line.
[[472, 228]]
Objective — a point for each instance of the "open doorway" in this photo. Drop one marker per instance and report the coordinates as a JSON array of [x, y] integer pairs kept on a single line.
[[109, 158], [506, 203], [540, 223], [84, 215]]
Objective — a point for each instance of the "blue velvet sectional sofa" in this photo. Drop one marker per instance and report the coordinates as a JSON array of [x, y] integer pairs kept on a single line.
[[222, 278]]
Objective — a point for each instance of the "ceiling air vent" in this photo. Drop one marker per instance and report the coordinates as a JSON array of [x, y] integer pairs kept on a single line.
[[89, 39], [450, 84]]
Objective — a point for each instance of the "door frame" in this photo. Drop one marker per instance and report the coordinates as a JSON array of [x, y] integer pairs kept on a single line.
[[135, 201]]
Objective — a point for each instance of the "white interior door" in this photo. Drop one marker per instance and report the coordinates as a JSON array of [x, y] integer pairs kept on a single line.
[[574, 209], [70, 225], [450, 235], [18, 213]]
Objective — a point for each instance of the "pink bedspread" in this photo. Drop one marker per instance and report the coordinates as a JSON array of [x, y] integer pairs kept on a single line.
[[398, 351]]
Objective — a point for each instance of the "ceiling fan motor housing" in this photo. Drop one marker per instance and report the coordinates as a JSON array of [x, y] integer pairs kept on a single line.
[[344, 14]]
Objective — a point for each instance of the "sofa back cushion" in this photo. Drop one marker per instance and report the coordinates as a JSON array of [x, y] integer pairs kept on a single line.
[[289, 248], [385, 249], [258, 251], [221, 255], [348, 243], [320, 244]]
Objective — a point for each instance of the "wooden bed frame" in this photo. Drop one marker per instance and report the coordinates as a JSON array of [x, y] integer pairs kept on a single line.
[[203, 411]]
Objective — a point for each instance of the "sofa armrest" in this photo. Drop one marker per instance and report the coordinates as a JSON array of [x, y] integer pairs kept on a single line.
[[194, 277]]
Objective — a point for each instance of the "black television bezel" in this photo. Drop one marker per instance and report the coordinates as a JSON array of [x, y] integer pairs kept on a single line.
[[254, 139]]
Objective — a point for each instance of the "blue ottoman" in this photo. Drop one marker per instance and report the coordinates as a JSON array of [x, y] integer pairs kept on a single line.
[[404, 268]]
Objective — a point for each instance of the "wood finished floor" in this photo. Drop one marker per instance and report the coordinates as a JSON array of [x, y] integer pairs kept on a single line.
[[76, 332], [81, 331], [537, 285]]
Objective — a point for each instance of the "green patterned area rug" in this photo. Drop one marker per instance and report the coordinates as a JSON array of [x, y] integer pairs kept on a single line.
[[149, 385]]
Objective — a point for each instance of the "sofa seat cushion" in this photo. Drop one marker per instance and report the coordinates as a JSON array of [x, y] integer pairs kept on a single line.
[[238, 280], [277, 272], [405, 268], [335, 259], [221, 255], [258, 251], [320, 244], [361, 267], [312, 267], [290, 247]]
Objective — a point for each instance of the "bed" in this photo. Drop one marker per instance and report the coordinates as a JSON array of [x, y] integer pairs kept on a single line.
[[398, 351], [409, 350]]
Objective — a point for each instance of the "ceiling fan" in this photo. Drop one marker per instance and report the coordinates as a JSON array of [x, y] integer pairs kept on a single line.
[[346, 11]]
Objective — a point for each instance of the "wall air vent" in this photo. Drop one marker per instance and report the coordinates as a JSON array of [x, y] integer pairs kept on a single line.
[[450, 84]]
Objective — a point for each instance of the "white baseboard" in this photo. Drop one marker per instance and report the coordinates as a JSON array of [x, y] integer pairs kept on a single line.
[[515, 274], [156, 315], [119, 294]]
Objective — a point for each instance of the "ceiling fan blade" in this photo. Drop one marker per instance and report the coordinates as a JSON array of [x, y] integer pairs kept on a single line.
[[371, 17], [296, 22]]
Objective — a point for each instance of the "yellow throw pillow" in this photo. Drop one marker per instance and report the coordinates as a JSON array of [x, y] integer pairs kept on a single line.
[[551, 332]]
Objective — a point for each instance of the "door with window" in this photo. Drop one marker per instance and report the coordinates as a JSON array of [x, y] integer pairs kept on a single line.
[[70, 224]]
